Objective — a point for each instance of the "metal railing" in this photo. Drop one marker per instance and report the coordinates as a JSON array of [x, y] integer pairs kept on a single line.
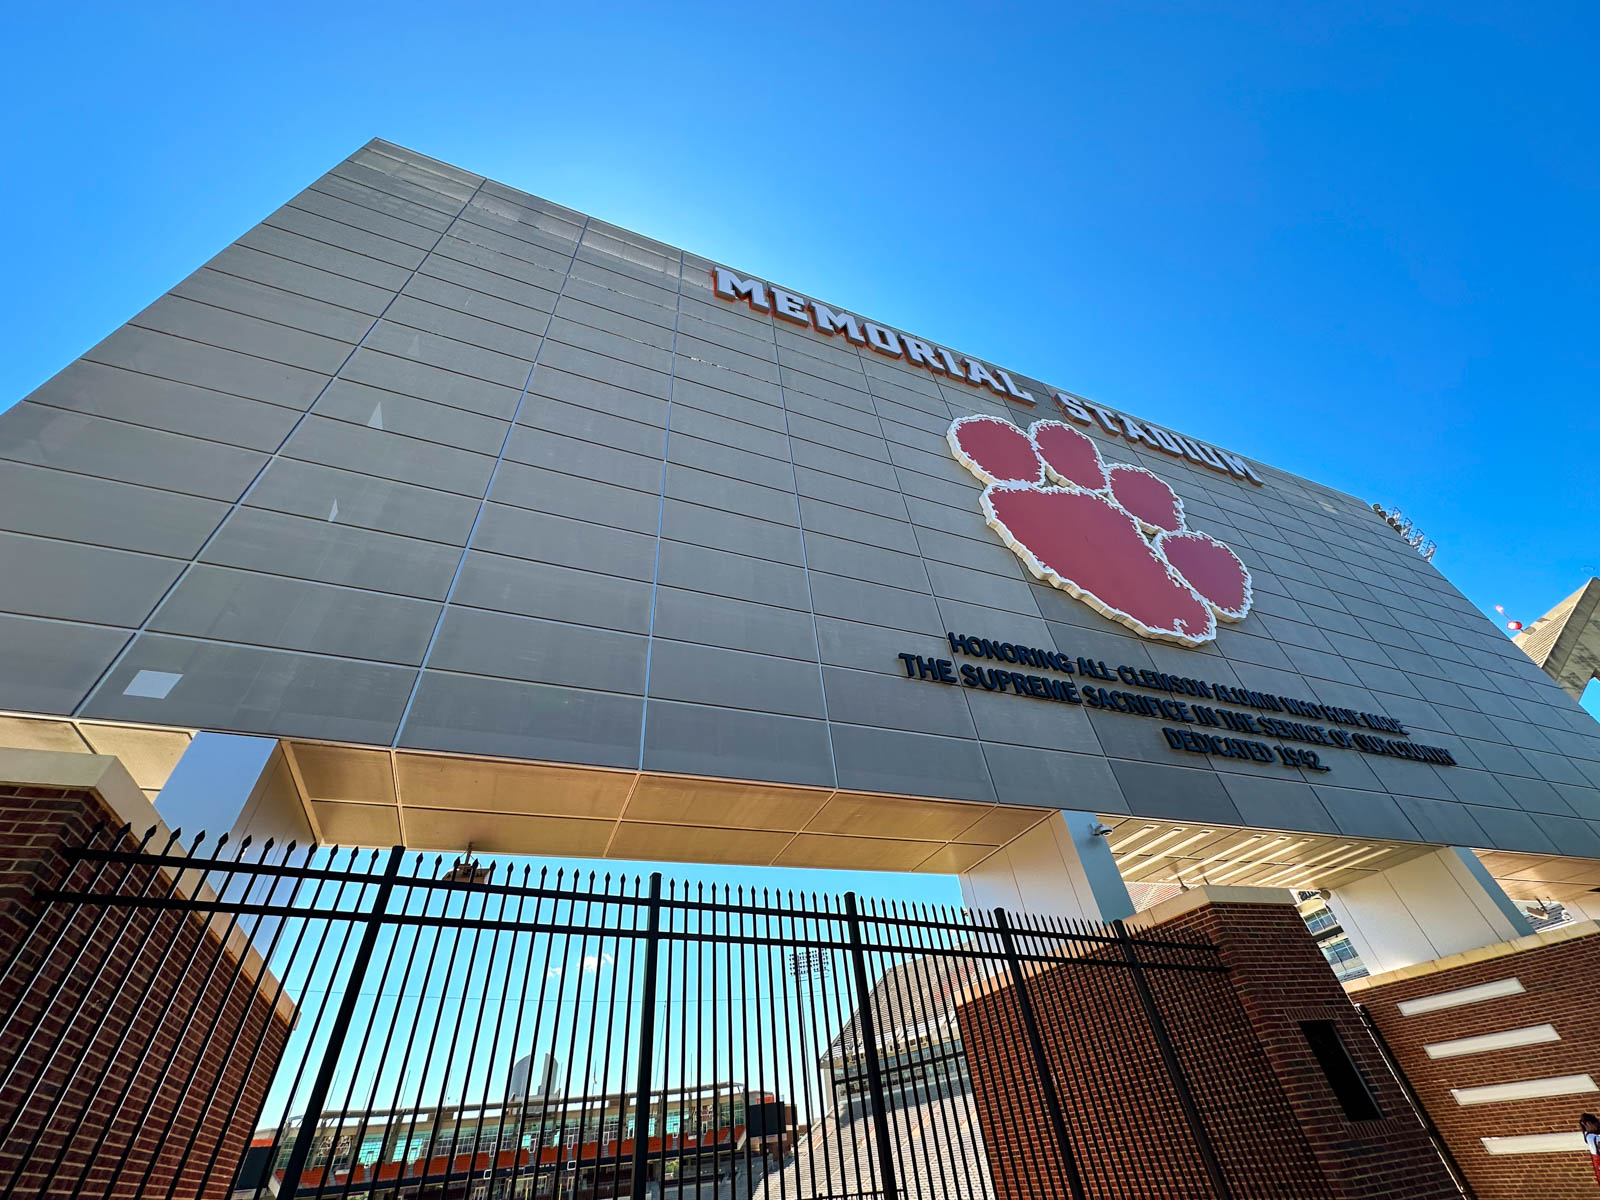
[[335, 1023]]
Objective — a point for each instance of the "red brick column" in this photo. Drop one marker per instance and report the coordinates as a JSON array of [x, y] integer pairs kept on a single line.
[[1273, 1117], [1281, 979], [1125, 1122], [37, 826], [1546, 986]]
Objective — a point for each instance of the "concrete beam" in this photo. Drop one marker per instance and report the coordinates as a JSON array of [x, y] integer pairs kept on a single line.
[[1059, 868], [1425, 908]]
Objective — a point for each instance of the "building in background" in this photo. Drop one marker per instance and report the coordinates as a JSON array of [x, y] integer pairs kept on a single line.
[[926, 1085], [522, 1082], [1330, 936], [1565, 642], [701, 1136]]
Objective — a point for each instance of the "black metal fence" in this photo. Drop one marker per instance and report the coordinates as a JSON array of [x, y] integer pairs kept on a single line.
[[378, 1023]]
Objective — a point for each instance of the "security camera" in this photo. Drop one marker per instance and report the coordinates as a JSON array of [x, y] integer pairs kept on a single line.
[[1101, 830]]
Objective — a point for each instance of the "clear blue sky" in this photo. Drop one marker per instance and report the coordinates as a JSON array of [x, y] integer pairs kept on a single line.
[[1354, 241]]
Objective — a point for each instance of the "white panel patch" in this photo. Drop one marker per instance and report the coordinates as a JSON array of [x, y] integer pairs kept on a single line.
[[1531, 1035], [1535, 1143], [153, 685], [1526, 1089], [1466, 995]]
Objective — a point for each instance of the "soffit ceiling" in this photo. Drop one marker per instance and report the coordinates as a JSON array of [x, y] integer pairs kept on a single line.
[[361, 796]]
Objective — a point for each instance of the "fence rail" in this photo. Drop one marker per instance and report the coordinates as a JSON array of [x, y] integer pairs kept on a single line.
[[207, 1020]]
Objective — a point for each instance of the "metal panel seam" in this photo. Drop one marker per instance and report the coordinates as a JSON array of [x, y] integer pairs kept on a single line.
[[233, 508], [661, 511], [488, 487], [805, 558]]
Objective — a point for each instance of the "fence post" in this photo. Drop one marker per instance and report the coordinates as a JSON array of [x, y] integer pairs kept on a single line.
[[1047, 1079], [647, 1040], [318, 1096], [868, 1037], [1169, 1059]]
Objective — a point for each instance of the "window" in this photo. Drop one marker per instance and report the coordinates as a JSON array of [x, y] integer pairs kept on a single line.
[[1320, 920], [1343, 1076]]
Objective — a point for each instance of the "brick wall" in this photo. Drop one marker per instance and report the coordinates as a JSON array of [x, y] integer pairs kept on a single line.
[[1281, 979], [1122, 1111], [1560, 975], [1007, 1095], [1274, 1120], [109, 1067]]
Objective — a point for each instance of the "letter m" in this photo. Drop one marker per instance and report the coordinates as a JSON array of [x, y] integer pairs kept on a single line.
[[1238, 466], [730, 287], [830, 323]]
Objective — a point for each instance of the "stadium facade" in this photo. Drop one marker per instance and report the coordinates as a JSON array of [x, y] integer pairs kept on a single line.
[[522, 530], [523, 533]]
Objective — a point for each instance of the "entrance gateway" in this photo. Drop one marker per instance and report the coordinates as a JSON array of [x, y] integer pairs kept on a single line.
[[520, 532]]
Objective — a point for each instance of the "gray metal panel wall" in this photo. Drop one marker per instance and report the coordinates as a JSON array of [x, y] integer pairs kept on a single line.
[[425, 461]]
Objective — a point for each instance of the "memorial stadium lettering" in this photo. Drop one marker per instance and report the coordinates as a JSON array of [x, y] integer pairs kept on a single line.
[[1307, 730], [1154, 437], [763, 297], [891, 343]]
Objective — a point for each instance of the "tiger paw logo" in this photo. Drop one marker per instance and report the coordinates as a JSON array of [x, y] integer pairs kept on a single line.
[[1113, 535]]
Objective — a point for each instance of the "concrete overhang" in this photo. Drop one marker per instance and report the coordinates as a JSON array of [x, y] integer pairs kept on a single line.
[[1160, 858], [354, 795], [149, 753]]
